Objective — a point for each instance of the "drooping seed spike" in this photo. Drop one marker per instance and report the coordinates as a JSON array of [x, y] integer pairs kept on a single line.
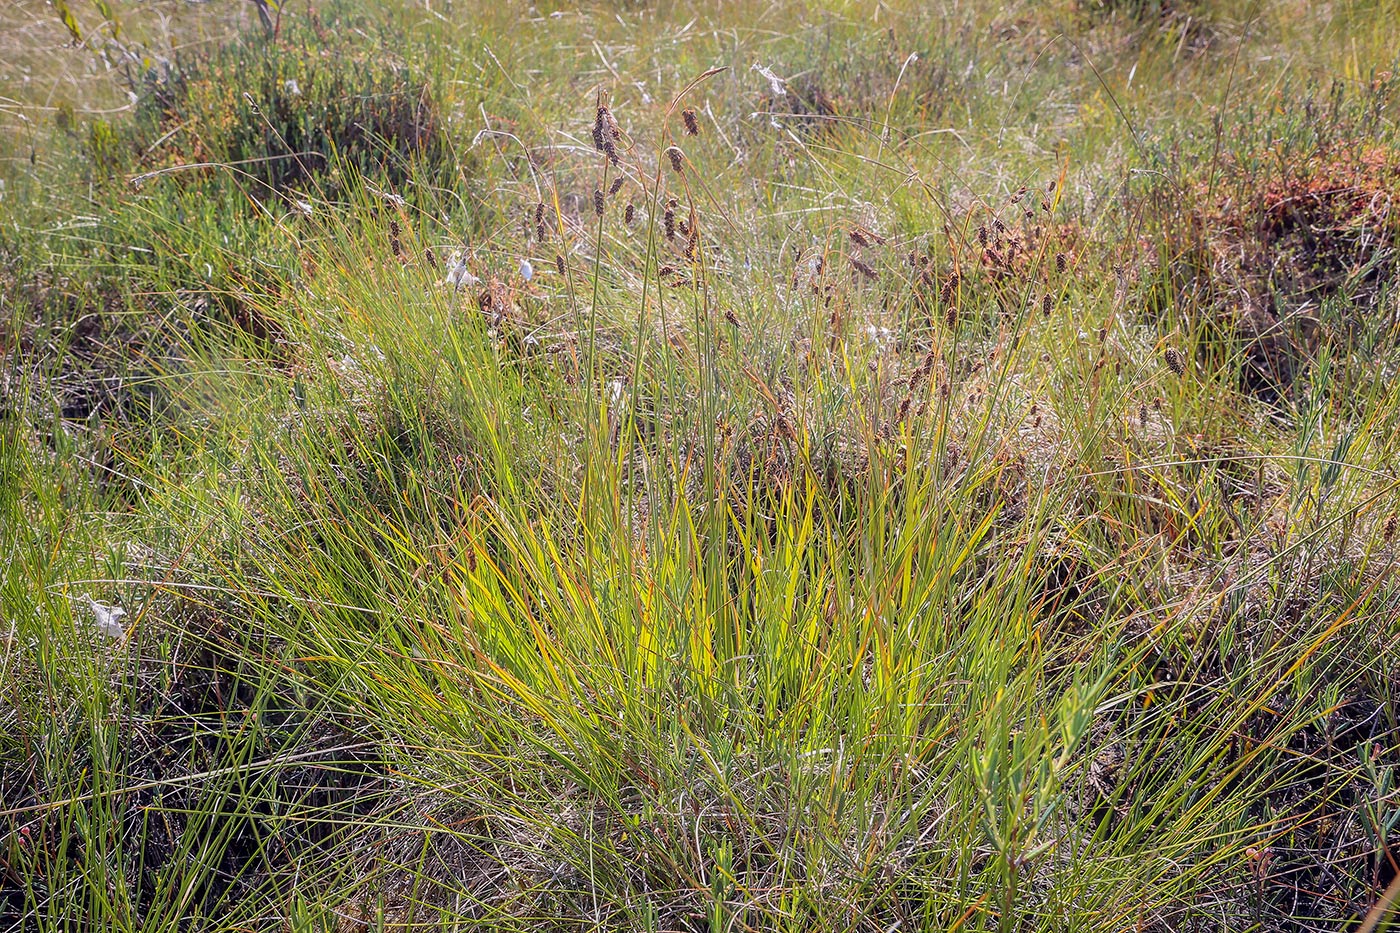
[[864, 269]]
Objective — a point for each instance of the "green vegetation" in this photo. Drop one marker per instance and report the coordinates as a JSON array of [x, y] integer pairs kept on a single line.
[[678, 466]]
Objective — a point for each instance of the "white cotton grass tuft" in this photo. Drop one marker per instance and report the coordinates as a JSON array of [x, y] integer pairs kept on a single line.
[[458, 275], [881, 337], [395, 199], [107, 618], [303, 208], [527, 271], [775, 84]]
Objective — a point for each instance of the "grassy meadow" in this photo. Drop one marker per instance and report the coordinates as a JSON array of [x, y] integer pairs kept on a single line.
[[658, 465]]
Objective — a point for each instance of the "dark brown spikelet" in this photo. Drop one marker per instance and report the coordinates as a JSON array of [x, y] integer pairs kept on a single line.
[[692, 243], [950, 315], [668, 219], [999, 226], [629, 214], [1142, 415], [616, 185], [606, 133], [395, 244], [598, 201], [863, 268], [982, 236], [1047, 304], [1175, 361], [428, 255], [559, 263], [730, 316], [950, 286], [677, 159], [1061, 263], [692, 125], [600, 128], [858, 237], [1388, 529], [540, 232]]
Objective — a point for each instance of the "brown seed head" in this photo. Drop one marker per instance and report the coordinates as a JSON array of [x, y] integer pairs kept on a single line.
[[1388, 529], [692, 125], [668, 220], [630, 214], [858, 237], [1047, 304], [600, 128], [950, 286], [677, 159], [598, 201], [863, 268], [559, 263], [1175, 361], [541, 232], [982, 236], [395, 244], [1061, 263], [616, 185], [731, 317]]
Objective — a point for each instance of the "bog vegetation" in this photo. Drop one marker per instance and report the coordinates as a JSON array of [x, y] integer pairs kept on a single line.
[[656, 465]]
